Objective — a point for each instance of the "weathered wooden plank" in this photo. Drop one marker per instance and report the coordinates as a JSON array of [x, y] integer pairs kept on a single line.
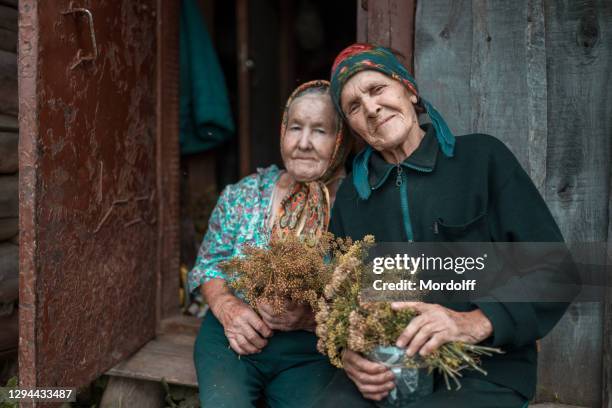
[[9, 198], [537, 103], [9, 272], [482, 64], [9, 227], [168, 356], [498, 80], [8, 83], [180, 324], [127, 392], [28, 72], [443, 49], [606, 396], [509, 95], [577, 188], [9, 156]]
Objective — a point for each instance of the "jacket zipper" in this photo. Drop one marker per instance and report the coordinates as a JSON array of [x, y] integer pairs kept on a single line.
[[400, 182]]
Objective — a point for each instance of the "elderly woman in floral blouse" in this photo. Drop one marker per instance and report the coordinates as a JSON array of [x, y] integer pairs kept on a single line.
[[241, 355]]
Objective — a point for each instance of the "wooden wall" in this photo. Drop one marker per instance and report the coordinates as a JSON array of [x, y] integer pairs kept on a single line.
[[536, 74], [9, 200]]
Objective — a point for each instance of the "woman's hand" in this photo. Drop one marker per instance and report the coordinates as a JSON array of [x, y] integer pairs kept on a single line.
[[246, 332], [437, 325], [295, 316], [373, 380]]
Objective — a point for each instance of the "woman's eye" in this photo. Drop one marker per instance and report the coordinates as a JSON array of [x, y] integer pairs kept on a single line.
[[378, 89], [294, 128], [320, 131], [353, 108]]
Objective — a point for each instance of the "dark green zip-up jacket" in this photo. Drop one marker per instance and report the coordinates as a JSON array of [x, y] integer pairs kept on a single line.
[[481, 194]]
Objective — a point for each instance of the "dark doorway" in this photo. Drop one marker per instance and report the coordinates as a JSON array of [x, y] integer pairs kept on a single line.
[[289, 42]]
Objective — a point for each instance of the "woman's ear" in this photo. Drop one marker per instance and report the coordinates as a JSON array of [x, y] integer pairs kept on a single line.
[[413, 98]]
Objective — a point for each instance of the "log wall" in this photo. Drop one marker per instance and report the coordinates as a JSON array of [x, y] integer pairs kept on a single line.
[[9, 199], [536, 74]]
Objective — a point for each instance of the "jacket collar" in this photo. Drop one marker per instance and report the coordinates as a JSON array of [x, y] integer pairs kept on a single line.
[[370, 170]]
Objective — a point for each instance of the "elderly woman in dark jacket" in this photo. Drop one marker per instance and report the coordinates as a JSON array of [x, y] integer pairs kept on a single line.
[[419, 183]]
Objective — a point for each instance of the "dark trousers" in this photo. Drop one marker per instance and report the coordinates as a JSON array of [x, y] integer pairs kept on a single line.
[[474, 393], [289, 372]]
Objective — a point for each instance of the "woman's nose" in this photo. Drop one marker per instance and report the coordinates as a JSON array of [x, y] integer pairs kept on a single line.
[[371, 108], [304, 141]]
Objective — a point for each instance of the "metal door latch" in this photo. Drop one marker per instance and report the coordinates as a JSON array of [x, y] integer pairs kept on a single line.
[[80, 57]]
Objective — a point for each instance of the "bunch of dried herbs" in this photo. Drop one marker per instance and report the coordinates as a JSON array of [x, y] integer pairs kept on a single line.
[[345, 322], [288, 269]]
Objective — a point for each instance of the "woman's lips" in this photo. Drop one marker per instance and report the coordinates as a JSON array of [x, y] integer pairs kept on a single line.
[[383, 122]]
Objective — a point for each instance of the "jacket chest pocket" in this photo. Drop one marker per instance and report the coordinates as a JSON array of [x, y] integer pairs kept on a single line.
[[474, 230]]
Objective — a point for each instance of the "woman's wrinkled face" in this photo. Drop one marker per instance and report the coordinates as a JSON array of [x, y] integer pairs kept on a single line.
[[309, 140], [379, 109]]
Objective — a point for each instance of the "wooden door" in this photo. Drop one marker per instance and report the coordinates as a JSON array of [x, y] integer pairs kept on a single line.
[[97, 184]]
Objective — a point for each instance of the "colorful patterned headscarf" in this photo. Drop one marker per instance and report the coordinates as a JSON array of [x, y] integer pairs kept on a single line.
[[305, 210], [361, 57]]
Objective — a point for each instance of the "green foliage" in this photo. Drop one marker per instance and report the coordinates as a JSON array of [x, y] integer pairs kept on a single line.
[[12, 383], [180, 397]]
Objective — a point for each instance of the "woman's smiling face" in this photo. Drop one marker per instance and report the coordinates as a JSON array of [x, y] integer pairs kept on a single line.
[[379, 109], [310, 136]]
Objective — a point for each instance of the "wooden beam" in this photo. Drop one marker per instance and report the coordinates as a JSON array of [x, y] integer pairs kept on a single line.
[[537, 98], [244, 87], [28, 161], [362, 21], [391, 24], [286, 49], [168, 159]]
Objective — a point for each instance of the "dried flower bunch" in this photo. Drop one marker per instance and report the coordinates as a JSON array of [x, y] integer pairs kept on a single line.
[[344, 322], [289, 269]]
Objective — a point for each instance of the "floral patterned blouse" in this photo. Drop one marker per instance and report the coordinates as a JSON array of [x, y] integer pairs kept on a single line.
[[240, 217]]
